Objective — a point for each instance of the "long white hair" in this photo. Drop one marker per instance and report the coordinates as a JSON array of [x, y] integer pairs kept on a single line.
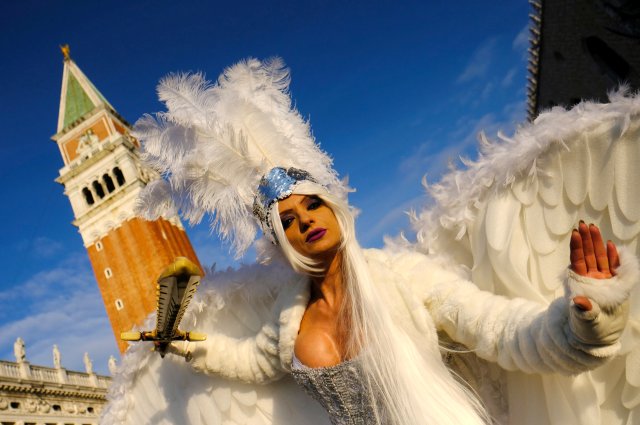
[[408, 382]]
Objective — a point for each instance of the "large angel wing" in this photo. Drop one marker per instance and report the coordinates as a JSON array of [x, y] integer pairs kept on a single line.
[[508, 217], [150, 390]]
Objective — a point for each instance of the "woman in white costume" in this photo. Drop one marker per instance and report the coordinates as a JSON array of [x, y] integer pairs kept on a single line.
[[356, 329]]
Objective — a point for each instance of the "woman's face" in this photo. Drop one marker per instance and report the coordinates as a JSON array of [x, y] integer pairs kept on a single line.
[[310, 226]]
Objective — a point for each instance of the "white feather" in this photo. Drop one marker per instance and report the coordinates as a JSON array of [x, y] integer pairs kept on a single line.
[[215, 141]]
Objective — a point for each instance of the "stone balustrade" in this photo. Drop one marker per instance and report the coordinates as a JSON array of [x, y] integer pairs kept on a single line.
[[27, 372]]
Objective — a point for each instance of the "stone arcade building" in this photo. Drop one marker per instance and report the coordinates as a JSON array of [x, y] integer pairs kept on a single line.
[[38, 395]]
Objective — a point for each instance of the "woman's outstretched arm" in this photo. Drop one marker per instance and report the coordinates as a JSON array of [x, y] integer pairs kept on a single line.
[[574, 333]]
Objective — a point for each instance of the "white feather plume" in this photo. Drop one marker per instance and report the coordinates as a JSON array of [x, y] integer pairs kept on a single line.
[[215, 142]]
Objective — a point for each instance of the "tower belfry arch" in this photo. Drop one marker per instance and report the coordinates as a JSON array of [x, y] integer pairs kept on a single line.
[[102, 177]]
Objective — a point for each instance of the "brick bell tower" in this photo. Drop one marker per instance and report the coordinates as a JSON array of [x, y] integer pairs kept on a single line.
[[102, 176]]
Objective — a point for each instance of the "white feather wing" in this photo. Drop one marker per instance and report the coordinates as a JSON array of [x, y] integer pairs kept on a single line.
[[150, 390], [509, 217]]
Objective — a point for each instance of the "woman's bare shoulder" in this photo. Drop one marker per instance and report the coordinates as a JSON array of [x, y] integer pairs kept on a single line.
[[316, 348]]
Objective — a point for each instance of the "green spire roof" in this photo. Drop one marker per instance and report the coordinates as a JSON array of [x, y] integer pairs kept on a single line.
[[77, 101], [79, 96]]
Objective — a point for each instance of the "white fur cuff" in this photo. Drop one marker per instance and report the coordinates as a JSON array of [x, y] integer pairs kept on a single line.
[[608, 293], [601, 351]]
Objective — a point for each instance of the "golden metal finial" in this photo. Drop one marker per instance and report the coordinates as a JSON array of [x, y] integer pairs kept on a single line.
[[66, 51]]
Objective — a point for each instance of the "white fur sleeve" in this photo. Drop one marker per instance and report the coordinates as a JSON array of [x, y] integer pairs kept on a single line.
[[523, 335], [253, 359], [262, 358]]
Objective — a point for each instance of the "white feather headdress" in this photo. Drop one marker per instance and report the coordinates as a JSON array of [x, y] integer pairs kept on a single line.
[[216, 141]]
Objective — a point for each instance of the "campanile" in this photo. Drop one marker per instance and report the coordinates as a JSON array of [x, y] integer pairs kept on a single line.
[[102, 176]]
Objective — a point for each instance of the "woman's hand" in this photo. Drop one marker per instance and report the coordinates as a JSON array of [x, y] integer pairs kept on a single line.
[[590, 258]]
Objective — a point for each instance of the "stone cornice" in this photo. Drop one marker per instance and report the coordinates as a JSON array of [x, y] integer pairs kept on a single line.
[[65, 390]]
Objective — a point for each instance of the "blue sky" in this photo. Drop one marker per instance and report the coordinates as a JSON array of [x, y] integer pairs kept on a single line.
[[394, 90]]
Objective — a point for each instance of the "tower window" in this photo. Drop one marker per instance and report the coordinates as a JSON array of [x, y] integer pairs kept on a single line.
[[119, 304], [99, 246], [119, 176], [107, 181], [108, 273], [98, 188], [88, 196]]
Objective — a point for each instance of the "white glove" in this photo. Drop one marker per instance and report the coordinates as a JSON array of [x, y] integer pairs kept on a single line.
[[598, 328]]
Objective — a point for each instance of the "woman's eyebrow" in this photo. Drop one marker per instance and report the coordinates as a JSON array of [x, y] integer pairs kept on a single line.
[[288, 210], [310, 198]]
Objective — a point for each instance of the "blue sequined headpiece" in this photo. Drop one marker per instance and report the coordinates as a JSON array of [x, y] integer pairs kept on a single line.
[[274, 186]]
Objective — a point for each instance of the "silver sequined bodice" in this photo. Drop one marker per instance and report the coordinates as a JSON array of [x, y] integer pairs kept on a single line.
[[339, 389]]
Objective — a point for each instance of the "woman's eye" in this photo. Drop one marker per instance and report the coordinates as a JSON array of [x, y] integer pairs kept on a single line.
[[314, 204], [286, 222]]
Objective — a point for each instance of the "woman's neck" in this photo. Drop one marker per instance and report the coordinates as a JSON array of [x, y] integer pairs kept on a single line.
[[329, 287]]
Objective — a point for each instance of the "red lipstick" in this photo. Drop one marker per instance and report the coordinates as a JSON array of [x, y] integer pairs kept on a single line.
[[316, 234]]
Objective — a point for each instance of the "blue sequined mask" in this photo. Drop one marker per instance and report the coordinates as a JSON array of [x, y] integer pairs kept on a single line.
[[274, 186]]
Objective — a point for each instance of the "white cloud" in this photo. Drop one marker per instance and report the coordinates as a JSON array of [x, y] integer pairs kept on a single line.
[[415, 164], [60, 306], [73, 272], [432, 162], [394, 220], [479, 63], [44, 247], [404, 192], [507, 80], [487, 90], [427, 160], [521, 41], [514, 113], [41, 248]]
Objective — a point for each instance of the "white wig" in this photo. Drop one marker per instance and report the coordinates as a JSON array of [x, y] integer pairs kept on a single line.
[[411, 383]]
